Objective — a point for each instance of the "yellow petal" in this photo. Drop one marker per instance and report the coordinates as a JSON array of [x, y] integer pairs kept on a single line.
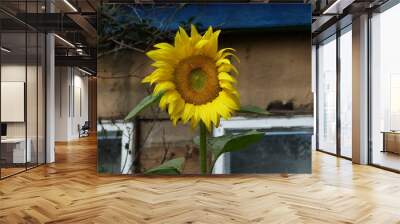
[[211, 47], [180, 105], [173, 95], [217, 103], [195, 118], [201, 44], [183, 46], [223, 110], [179, 45], [167, 98], [177, 39], [166, 46], [147, 79], [226, 85], [227, 68], [160, 74], [161, 64], [214, 44], [213, 114], [184, 36], [208, 33], [220, 52], [174, 120], [204, 113], [188, 112], [163, 102], [226, 77], [223, 61], [163, 86], [235, 93], [224, 55], [194, 35], [163, 55], [229, 101]]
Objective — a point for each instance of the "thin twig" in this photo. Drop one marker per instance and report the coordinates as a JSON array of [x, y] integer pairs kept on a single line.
[[127, 46], [165, 146], [119, 77]]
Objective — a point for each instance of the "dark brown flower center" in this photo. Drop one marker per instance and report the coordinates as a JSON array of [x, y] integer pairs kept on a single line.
[[196, 79]]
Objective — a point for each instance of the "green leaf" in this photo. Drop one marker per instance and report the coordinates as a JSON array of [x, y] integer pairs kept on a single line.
[[173, 166], [229, 143], [146, 102], [253, 110]]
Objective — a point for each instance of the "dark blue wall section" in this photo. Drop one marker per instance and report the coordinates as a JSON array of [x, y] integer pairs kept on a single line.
[[225, 16]]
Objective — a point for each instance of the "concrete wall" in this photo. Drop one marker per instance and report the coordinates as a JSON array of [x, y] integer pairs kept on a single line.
[[274, 66], [81, 112], [61, 105], [71, 102], [119, 85]]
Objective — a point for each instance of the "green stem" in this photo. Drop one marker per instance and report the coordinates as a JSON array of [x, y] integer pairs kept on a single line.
[[203, 148]]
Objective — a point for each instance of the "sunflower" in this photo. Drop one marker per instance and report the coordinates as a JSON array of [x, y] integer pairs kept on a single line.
[[195, 78]]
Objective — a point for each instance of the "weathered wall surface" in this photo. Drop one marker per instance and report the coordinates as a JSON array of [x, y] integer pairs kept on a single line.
[[164, 141], [274, 66], [119, 85]]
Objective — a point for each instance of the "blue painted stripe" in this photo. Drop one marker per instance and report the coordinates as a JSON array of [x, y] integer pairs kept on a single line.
[[225, 16]]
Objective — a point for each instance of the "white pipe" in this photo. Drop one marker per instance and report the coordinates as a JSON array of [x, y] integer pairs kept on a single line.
[[5, 50], [64, 40], [70, 5]]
